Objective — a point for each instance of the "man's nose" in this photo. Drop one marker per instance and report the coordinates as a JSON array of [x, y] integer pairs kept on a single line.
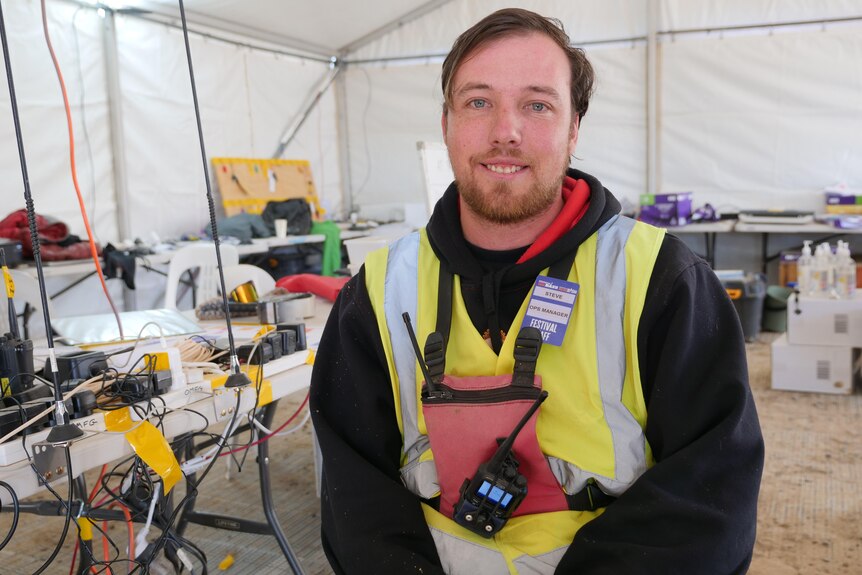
[[506, 130]]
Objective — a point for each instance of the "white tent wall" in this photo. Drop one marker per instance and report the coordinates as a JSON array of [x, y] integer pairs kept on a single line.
[[686, 14], [747, 119], [434, 33], [612, 137], [77, 41], [392, 107], [246, 97], [76, 35], [389, 110], [762, 120], [406, 100]]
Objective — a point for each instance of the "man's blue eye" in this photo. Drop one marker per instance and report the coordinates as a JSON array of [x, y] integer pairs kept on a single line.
[[478, 103], [537, 107]]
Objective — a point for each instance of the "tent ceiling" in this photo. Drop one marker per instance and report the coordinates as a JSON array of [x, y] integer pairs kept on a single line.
[[324, 27]]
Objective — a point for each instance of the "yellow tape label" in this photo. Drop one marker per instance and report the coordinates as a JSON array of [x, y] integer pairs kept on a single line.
[[161, 360], [10, 284], [149, 444], [85, 526]]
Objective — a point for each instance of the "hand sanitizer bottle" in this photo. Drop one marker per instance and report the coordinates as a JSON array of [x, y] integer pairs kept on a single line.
[[845, 278], [805, 270]]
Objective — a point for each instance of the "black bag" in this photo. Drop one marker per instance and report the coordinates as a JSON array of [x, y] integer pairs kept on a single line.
[[297, 212]]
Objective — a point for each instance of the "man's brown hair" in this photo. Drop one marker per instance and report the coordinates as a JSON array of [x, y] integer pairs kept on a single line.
[[514, 22]]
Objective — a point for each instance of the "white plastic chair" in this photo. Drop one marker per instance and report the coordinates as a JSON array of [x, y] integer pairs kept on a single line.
[[241, 273], [201, 256], [26, 292]]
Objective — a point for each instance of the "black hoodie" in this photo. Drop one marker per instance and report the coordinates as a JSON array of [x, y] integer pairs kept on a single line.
[[693, 512]]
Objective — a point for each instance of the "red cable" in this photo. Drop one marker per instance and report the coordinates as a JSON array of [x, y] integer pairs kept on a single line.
[[74, 556], [93, 251], [98, 484], [265, 437], [131, 528]]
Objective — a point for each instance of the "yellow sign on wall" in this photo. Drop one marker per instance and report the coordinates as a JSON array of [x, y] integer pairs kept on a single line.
[[247, 184]]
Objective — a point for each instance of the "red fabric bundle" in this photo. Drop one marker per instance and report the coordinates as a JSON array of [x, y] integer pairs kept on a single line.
[[324, 286], [51, 233]]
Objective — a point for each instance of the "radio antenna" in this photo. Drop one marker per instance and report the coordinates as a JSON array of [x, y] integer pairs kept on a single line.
[[237, 378], [63, 432]]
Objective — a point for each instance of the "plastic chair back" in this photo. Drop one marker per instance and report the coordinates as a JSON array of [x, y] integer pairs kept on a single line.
[[202, 256]]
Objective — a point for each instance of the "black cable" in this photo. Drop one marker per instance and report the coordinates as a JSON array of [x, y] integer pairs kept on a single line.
[[7, 386], [16, 511], [193, 485], [252, 414], [68, 520]]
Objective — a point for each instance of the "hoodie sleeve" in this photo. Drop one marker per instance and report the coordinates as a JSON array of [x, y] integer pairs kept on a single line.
[[694, 511], [368, 517]]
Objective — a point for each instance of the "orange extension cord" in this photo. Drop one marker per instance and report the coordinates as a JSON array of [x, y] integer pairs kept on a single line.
[[93, 251]]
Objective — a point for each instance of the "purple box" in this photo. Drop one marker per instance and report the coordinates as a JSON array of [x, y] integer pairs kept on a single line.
[[666, 209], [839, 199]]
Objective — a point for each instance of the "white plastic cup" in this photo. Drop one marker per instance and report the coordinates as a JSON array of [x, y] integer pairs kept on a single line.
[[281, 228]]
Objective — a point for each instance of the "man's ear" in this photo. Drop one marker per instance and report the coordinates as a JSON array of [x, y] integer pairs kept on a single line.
[[573, 134], [443, 124]]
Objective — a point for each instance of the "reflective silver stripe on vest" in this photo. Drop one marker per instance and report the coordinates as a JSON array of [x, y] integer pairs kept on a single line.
[[399, 296], [461, 557], [545, 564], [628, 438]]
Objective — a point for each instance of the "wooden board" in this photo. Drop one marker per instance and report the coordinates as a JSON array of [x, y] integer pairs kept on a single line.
[[247, 184]]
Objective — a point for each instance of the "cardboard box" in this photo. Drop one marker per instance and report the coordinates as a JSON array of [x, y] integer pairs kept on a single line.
[[824, 321], [814, 368], [843, 203], [666, 209]]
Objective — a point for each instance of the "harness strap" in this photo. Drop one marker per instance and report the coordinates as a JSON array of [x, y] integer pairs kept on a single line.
[[526, 354], [444, 303]]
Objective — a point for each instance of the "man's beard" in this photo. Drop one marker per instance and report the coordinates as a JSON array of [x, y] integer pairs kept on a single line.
[[502, 206]]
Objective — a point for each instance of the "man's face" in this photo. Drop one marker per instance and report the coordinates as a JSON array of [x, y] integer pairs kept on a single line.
[[510, 128]]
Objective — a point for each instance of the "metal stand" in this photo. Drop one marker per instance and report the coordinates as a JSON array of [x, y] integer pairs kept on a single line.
[[271, 527]]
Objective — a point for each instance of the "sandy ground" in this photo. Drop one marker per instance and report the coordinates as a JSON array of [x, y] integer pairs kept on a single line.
[[810, 510]]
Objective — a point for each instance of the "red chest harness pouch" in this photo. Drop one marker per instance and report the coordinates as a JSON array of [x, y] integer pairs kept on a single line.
[[482, 431]]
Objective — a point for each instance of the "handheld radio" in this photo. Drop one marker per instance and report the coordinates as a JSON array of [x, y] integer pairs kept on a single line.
[[492, 495]]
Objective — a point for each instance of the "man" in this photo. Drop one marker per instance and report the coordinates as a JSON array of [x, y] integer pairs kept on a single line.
[[649, 448]]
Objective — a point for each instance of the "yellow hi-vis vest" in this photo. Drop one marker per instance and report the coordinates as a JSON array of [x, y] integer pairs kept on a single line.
[[590, 427]]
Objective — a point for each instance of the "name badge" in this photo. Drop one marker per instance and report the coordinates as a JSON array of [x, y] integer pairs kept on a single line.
[[550, 308]]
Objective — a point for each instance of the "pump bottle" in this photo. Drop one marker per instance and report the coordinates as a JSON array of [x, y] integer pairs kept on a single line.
[[805, 271]]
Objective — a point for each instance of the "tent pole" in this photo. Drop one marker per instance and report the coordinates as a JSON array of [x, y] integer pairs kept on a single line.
[[422, 10], [652, 95], [311, 101], [115, 113], [344, 146]]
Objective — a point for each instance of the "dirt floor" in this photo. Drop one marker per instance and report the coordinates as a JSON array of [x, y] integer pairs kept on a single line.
[[810, 511]]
